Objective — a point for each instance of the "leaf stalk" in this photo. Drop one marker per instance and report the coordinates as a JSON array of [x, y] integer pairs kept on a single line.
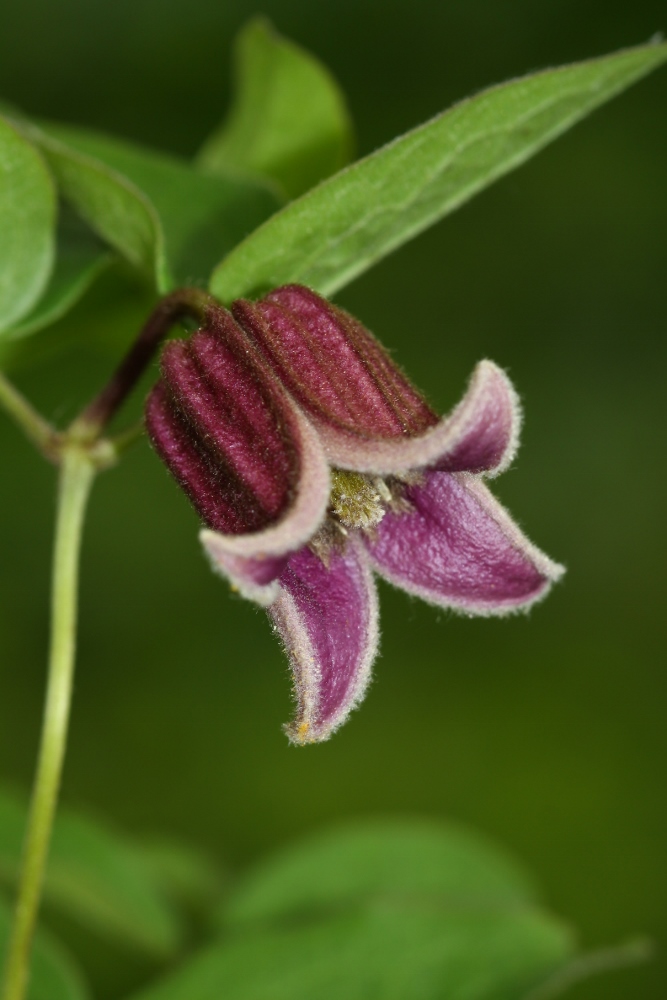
[[38, 430]]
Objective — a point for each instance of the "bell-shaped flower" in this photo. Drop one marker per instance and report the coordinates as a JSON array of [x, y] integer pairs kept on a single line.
[[316, 464]]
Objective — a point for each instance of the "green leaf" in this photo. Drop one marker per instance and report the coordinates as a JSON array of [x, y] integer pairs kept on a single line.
[[387, 910], [363, 861], [592, 964], [27, 224], [187, 875], [337, 231], [113, 206], [96, 877], [165, 217], [80, 259], [105, 321], [53, 974], [288, 122], [420, 953]]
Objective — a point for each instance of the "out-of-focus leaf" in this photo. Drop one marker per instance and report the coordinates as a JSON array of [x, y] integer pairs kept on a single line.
[[9, 109], [335, 232], [80, 259], [388, 911], [187, 875], [53, 974], [421, 953], [399, 860], [27, 225], [112, 205], [105, 321], [160, 212], [95, 876], [288, 122], [591, 964]]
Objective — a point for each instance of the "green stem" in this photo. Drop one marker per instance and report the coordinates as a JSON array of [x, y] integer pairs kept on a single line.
[[34, 426], [76, 477]]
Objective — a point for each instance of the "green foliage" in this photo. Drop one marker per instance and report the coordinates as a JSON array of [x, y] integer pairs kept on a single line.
[[334, 233], [104, 321], [27, 222], [97, 877], [378, 909], [113, 206], [188, 877], [288, 122], [398, 860], [80, 259], [385, 911], [289, 128], [164, 216], [53, 974], [422, 953]]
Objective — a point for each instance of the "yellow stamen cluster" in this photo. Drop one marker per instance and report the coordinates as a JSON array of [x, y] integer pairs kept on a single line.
[[356, 500]]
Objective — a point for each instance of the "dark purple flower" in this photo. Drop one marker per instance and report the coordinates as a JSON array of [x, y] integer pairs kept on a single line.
[[315, 464]]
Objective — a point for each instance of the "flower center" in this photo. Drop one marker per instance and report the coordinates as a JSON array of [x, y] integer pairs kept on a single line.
[[357, 501]]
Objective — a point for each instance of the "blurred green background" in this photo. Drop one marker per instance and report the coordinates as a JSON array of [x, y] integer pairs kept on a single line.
[[547, 732]]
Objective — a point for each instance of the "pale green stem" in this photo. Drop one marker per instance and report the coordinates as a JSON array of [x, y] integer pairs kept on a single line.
[[76, 477], [34, 426]]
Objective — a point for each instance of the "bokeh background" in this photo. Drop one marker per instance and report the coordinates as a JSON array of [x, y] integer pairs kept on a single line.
[[546, 732]]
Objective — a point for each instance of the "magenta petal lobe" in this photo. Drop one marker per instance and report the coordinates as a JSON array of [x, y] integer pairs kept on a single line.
[[254, 579], [458, 548], [483, 430], [327, 617], [480, 435]]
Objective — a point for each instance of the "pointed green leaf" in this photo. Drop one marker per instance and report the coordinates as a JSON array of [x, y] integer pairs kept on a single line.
[[362, 861], [288, 122], [27, 224], [335, 232], [80, 259], [200, 216], [164, 216], [53, 974], [420, 953], [112, 205], [95, 876]]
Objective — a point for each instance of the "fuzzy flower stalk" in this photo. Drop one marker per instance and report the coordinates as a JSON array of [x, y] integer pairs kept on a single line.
[[316, 465]]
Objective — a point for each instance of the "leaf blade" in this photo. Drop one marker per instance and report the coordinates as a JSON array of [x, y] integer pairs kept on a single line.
[[288, 122], [388, 954], [96, 876], [334, 233], [357, 862], [197, 216], [80, 260], [113, 207], [27, 224]]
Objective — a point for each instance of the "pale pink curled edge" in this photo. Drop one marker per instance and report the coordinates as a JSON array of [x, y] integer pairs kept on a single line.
[[490, 393]]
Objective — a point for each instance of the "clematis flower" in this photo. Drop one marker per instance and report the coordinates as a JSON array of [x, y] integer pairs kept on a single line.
[[315, 465]]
